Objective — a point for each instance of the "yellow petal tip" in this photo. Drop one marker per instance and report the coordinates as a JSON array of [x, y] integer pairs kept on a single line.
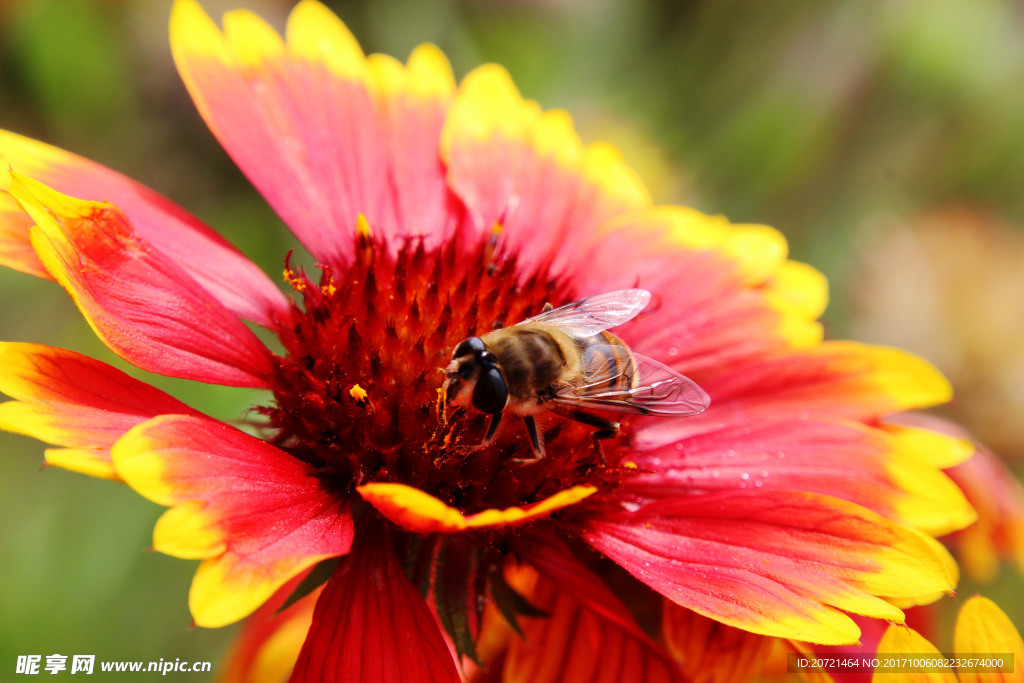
[[418, 511]]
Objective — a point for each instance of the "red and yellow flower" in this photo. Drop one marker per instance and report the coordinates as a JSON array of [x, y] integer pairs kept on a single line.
[[434, 210], [985, 642], [996, 495]]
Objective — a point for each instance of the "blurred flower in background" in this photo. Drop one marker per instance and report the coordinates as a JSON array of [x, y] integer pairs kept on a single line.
[[950, 284], [813, 119]]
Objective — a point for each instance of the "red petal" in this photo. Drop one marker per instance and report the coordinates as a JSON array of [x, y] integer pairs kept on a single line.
[[255, 514], [710, 651], [722, 292], [773, 562], [830, 380], [872, 467], [303, 121], [414, 101], [576, 643], [528, 170], [215, 264], [552, 559], [140, 303], [843, 379], [371, 625], [71, 400]]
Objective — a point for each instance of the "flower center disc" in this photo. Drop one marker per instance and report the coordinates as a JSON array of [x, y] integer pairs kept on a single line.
[[358, 388]]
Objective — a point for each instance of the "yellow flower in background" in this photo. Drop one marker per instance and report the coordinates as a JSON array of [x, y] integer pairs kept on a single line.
[[983, 631]]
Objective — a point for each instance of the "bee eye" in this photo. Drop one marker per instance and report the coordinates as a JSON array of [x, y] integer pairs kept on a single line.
[[490, 395], [472, 346], [466, 370]]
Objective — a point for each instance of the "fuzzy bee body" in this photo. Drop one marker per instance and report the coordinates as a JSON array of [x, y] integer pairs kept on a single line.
[[564, 361], [532, 360]]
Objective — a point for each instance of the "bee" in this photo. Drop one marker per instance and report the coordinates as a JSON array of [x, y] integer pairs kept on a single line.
[[565, 362]]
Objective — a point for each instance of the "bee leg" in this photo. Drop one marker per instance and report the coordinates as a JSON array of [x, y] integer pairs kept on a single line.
[[605, 429], [547, 307], [492, 427], [536, 440]]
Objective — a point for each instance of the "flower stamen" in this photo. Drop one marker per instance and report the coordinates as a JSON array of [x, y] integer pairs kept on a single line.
[[382, 326]]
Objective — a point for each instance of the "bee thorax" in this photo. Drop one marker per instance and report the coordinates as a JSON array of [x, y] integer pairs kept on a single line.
[[531, 360]]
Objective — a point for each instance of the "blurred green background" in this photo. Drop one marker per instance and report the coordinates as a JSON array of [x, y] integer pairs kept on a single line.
[[886, 140]]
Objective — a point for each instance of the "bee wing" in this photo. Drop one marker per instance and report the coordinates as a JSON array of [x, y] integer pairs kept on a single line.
[[587, 317], [646, 387]]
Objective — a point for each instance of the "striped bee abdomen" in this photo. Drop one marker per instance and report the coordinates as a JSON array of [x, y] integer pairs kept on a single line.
[[607, 363]]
